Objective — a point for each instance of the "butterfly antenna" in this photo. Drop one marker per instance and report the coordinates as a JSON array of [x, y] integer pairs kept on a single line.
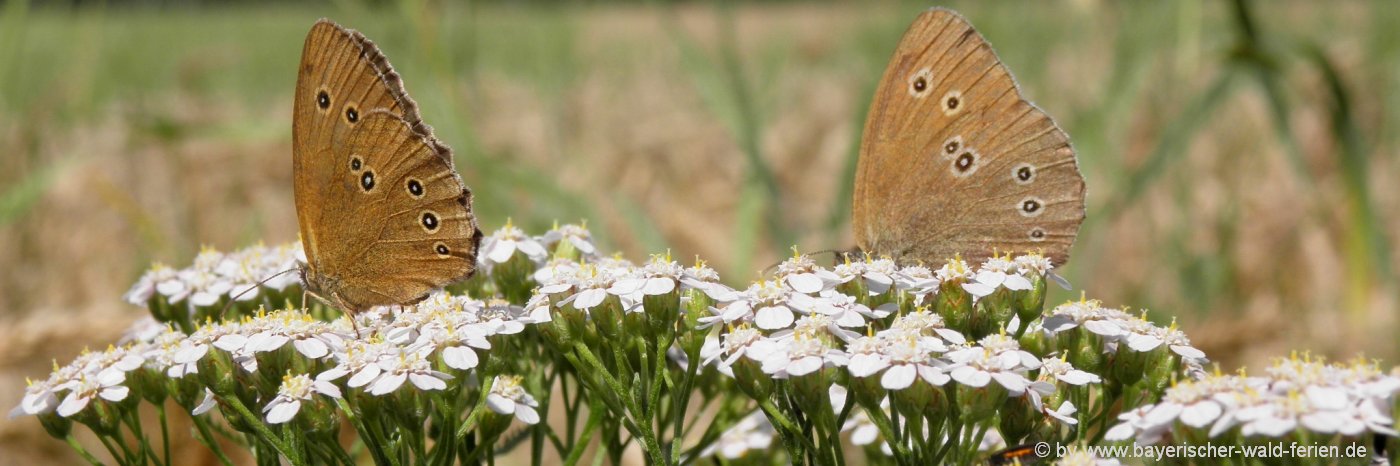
[[255, 286]]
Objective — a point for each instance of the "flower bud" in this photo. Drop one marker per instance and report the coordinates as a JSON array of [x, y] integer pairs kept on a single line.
[[914, 400], [813, 393], [1030, 304], [512, 278], [1130, 365], [697, 305], [954, 304], [57, 426], [1018, 419], [752, 380], [979, 404]]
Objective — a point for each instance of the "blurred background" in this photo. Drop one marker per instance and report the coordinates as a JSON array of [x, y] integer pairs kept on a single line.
[[1241, 158]]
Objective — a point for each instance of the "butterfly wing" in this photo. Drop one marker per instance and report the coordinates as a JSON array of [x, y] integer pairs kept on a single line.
[[955, 161], [354, 126], [405, 217]]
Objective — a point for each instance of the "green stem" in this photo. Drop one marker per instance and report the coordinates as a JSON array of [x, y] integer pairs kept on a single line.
[[78, 447], [207, 438], [263, 432], [106, 443], [595, 417], [164, 432]]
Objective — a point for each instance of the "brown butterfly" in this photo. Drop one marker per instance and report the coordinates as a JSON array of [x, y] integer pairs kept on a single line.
[[384, 217], [955, 161]]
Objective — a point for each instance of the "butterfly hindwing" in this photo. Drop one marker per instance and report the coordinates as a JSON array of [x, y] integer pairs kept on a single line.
[[954, 160], [413, 230]]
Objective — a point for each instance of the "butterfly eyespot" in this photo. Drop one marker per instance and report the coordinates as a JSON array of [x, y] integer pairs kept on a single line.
[[356, 163], [323, 99], [952, 103], [430, 222], [952, 145], [918, 83], [1023, 173], [442, 250], [1031, 207], [965, 164], [1037, 234], [351, 114], [415, 188], [367, 180]]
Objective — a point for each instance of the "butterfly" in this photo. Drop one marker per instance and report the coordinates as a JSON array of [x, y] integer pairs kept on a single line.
[[385, 219], [955, 161]]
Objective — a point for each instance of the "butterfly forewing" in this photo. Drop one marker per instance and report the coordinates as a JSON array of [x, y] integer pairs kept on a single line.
[[955, 161], [341, 74], [384, 216]]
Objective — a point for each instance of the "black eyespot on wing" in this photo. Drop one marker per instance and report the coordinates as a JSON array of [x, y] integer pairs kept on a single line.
[[442, 250], [1023, 173], [952, 102], [1031, 207], [918, 83], [430, 221], [351, 114], [1037, 234], [367, 180], [356, 163], [323, 99], [951, 147], [415, 188], [965, 161]]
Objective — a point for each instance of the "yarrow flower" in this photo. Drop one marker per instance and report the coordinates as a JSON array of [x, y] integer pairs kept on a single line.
[[997, 272], [508, 397], [804, 276], [872, 324], [296, 389], [750, 434], [505, 242], [576, 236], [214, 276], [1296, 394], [768, 305]]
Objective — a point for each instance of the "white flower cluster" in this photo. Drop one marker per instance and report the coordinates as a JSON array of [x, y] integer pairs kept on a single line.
[[1118, 328], [215, 275], [501, 245], [406, 346], [1296, 394], [586, 285], [92, 375], [801, 322]]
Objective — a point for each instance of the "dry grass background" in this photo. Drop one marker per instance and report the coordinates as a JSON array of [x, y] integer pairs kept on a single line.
[[133, 135]]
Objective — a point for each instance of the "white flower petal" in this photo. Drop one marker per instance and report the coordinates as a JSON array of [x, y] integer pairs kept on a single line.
[[898, 377], [459, 357], [427, 382], [500, 404], [72, 404], [388, 383], [312, 348], [774, 317], [805, 282], [282, 410], [527, 414]]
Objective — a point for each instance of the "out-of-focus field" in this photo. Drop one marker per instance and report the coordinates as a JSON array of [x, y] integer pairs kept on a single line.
[[1258, 211]]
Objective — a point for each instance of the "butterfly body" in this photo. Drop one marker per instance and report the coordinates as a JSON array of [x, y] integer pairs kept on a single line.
[[955, 161], [384, 217]]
